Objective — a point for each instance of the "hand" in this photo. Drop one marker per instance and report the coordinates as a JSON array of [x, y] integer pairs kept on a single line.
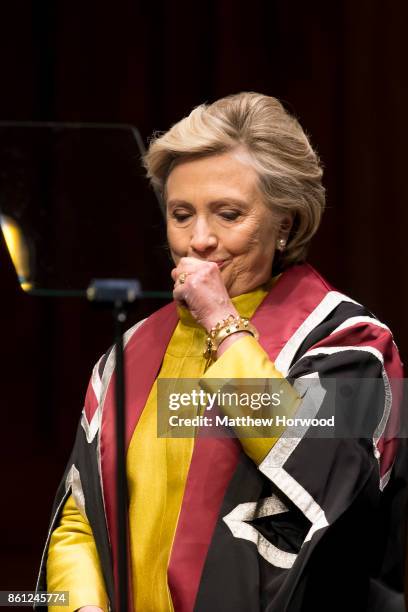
[[203, 291]]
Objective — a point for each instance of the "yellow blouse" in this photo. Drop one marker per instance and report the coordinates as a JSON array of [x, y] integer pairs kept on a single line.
[[156, 491]]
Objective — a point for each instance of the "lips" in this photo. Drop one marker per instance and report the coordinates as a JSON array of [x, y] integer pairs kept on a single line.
[[221, 262]]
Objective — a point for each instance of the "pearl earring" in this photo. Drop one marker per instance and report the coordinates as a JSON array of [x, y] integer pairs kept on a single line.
[[281, 244]]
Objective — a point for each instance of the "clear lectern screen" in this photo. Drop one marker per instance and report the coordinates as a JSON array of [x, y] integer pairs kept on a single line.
[[75, 205]]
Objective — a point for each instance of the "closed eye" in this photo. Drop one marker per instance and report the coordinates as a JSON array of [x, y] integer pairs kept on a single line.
[[180, 217], [230, 215]]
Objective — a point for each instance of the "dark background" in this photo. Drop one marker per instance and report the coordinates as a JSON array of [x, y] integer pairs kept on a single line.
[[340, 66]]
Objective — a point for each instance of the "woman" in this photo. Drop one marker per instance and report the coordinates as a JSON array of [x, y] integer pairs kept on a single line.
[[232, 524]]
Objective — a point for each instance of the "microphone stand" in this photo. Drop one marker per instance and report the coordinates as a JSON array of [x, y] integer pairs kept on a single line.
[[118, 295]]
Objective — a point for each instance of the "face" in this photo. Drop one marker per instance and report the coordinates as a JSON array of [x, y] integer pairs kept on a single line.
[[216, 212]]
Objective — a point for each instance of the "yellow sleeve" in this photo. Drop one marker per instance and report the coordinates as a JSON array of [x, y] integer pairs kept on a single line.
[[246, 359], [73, 564]]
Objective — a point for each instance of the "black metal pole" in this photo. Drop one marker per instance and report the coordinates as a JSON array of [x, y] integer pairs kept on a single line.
[[118, 294], [119, 314]]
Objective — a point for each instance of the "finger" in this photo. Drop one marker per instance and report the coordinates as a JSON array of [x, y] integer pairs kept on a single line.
[[180, 295], [181, 268], [180, 279], [191, 264], [189, 261]]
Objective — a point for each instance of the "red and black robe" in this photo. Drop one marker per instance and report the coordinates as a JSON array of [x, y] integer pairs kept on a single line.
[[314, 503]]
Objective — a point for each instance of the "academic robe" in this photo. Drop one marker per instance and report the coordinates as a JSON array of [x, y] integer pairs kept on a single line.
[[298, 531]]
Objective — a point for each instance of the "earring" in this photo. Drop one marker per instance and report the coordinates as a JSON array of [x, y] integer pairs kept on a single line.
[[281, 244]]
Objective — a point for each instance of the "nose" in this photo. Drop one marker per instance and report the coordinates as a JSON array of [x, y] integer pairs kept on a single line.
[[203, 238]]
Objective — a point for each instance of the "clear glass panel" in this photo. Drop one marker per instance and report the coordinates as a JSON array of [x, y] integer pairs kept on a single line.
[[75, 205]]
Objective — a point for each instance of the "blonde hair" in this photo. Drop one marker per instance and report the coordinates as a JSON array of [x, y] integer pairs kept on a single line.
[[289, 169]]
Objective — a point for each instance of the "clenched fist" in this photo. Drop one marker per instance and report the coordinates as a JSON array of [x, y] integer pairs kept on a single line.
[[199, 286]]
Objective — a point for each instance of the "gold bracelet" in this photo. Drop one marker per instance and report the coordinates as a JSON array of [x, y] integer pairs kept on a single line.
[[223, 329]]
